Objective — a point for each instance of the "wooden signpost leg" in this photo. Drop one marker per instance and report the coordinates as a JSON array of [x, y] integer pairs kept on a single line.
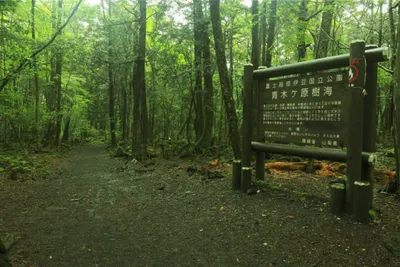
[[247, 127], [370, 123], [236, 174], [260, 168], [355, 119]]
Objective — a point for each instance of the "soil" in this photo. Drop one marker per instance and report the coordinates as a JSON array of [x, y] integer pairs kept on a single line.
[[103, 211]]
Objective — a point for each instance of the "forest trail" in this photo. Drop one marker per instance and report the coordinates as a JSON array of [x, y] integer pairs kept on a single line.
[[99, 213]]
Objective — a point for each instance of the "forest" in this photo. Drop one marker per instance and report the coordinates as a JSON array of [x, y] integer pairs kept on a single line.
[[145, 74], [164, 79]]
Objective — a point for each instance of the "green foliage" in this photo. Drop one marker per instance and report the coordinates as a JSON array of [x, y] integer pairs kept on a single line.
[[169, 61], [372, 215]]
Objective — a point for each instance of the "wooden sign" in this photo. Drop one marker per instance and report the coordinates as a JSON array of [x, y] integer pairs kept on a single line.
[[307, 109]]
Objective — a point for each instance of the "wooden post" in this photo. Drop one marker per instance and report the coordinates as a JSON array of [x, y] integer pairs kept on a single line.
[[236, 174], [355, 117], [260, 96], [247, 127], [255, 110], [260, 167], [370, 122], [338, 196], [361, 201]]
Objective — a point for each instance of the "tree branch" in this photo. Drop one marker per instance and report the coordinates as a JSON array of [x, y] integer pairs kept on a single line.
[[386, 69], [396, 5], [313, 15], [25, 62]]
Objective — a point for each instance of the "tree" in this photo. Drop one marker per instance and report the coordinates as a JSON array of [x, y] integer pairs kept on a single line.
[[35, 78], [198, 86], [255, 42], [226, 86], [271, 33], [396, 105], [58, 78], [324, 33], [206, 106], [139, 131], [110, 67]]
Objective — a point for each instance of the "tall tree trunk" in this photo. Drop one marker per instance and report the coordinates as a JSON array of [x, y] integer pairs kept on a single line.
[[271, 33], [152, 101], [301, 30], [255, 42], [396, 105], [378, 90], [51, 96], [388, 108], [110, 67], [139, 130], [263, 32], [59, 58], [124, 111], [226, 86], [65, 136], [208, 103], [198, 87], [325, 31], [380, 30], [35, 78]]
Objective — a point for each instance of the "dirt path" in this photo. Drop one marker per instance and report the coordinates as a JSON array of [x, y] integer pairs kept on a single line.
[[97, 214]]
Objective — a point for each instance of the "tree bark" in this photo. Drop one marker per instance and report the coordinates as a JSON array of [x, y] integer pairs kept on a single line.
[[198, 87], [325, 31], [255, 42], [65, 136], [208, 103], [263, 32], [271, 33], [51, 98], [301, 31], [110, 70], [139, 131], [124, 111], [35, 78], [59, 58], [396, 105], [226, 86]]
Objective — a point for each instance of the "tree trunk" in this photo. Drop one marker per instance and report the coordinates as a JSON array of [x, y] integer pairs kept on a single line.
[[208, 103], [35, 78], [65, 136], [263, 32], [255, 42], [271, 33], [111, 99], [139, 131], [152, 102], [226, 86], [388, 109], [325, 31], [198, 87], [59, 58], [51, 96], [124, 111], [301, 31], [396, 105]]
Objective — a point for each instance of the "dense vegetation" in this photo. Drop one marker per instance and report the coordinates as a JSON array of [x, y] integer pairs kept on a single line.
[[143, 73]]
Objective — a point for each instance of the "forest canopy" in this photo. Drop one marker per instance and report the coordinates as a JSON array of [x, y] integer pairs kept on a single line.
[[137, 72]]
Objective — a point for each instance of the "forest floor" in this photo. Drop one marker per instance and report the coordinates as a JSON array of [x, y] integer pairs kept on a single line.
[[103, 211]]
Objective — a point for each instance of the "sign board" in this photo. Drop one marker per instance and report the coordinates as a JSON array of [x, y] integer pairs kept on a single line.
[[307, 109]]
